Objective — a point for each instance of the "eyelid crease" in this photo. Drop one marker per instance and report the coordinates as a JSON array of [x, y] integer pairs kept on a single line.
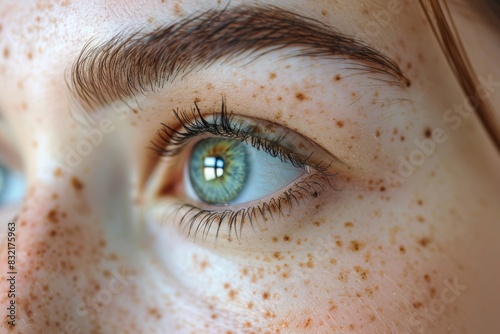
[[284, 143]]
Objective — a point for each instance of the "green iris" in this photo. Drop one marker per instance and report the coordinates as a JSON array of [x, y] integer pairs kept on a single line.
[[218, 169]]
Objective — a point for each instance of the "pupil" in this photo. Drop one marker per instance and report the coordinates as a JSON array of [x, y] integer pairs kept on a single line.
[[213, 168]]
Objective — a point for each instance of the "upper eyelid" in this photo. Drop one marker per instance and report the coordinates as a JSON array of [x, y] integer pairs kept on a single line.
[[305, 151]]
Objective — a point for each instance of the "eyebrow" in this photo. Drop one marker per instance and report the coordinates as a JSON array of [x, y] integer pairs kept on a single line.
[[139, 62]]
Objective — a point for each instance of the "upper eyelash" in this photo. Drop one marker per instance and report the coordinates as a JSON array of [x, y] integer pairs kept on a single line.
[[222, 124]]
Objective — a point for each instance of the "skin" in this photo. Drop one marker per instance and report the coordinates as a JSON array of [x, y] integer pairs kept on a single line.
[[379, 256]]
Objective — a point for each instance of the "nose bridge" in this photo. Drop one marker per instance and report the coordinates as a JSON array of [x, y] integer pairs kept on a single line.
[[58, 244]]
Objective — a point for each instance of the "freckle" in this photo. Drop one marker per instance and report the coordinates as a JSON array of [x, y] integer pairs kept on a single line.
[[420, 219], [310, 263], [432, 292], [6, 52], [76, 183], [352, 327], [427, 278], [55, 196], [355, 246], [278, 115], [337, 77], [339, 243], [402, 249], [378, 133], [177, 9], [232, 294], [424, 242], [52, 216], [340, 124], [348, 225], [333, 261], [154, 313], [265, 295], [301, 97], [30, 55], [272, 76], [368, 256], [428, 133], [278, 256], [286, 238], [343, 276], [363, 273], [275, 239], [307, 323], [227, 285], [402, 138], [250, 305], [203, 265], [58, 172], [417, 305], [420, 202], [382, 189]]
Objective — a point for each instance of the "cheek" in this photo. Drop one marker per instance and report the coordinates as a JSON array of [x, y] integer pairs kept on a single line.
[[377, 269], [66, 273]]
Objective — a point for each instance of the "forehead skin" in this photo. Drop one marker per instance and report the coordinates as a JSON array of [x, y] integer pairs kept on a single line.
[[415, 254]]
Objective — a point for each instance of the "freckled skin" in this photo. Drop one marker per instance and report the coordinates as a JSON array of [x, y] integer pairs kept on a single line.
[[370, 255]]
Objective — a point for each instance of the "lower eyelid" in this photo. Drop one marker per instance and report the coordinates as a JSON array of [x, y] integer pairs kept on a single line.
[[200, 223]]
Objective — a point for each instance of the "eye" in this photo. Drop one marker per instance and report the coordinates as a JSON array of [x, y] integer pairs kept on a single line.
[[236, 169], [228, 171], [12, 186]]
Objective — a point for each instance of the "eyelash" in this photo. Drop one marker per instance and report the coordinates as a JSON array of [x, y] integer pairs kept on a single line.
[[222, 124]]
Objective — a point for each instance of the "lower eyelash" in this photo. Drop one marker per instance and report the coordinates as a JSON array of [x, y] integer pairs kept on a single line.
[[197, 220]]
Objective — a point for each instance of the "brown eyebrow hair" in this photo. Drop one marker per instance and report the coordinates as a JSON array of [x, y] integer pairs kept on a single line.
[[139, 62]]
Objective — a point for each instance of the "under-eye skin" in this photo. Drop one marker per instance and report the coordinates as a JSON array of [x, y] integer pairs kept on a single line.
[[225, 157]]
